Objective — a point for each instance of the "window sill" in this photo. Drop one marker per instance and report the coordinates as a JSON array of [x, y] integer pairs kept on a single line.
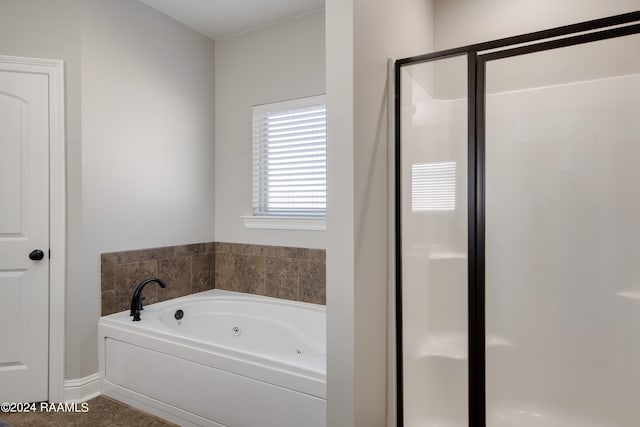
[[285, 222]]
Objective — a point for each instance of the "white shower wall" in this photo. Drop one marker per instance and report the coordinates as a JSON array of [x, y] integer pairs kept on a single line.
[[562, 252]]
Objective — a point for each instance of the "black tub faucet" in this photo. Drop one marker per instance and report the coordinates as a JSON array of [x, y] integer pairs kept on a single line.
[[136, 301]]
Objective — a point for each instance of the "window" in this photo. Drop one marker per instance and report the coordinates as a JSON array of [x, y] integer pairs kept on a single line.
[[290, 158]]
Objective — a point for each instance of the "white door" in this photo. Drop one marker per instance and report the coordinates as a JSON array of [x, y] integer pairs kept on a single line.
[[24, 228]]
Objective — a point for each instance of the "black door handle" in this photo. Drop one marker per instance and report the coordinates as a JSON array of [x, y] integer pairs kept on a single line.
[[36, 255]]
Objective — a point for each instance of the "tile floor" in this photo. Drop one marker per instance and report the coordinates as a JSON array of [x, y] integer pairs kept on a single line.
[[103, 412]]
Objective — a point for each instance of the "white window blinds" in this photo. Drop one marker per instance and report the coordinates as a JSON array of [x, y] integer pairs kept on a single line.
[[290, 158]]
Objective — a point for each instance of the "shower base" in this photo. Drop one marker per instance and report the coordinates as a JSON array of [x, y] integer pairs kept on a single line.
[[523, 414]]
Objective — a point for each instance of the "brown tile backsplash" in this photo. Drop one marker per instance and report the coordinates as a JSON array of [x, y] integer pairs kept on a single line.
[[203, 271], [185, 269], [242, 273], [312, 272], [277, 271]]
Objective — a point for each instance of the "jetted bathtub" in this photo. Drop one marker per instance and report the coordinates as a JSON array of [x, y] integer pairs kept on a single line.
[[219, 358]]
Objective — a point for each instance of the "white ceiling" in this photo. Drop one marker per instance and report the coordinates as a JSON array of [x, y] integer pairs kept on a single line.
[[221, 18]]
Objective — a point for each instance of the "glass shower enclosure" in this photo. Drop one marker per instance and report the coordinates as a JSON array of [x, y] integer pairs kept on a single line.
[[518, 231]]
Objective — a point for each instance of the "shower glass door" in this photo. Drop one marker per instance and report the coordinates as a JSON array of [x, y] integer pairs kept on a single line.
[[562, 236], [433, 215]]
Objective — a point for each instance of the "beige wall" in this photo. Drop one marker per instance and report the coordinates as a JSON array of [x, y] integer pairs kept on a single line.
[[276, 63], [362, 36], [148, 145], [340, 209]]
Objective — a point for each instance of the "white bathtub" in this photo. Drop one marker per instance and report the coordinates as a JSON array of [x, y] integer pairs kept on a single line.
[[232, 360]]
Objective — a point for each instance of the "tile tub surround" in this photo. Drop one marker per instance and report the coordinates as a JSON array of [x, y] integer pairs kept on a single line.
[[276, 271], [186, 269]]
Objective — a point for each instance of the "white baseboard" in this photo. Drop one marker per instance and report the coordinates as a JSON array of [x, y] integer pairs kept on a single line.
[[82, 389]]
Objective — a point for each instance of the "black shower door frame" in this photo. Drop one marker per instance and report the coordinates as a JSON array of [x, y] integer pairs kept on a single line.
[[477, 57]]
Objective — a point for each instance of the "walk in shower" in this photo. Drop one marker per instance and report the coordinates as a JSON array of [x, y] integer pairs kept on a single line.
[[518, 231]]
